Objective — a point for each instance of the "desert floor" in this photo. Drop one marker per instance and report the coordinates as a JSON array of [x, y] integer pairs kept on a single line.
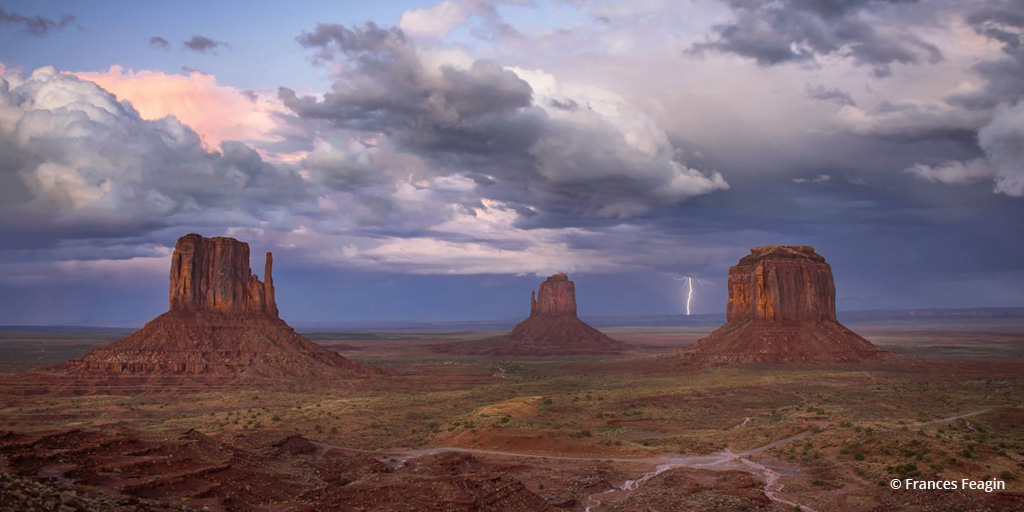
[[641, 431]]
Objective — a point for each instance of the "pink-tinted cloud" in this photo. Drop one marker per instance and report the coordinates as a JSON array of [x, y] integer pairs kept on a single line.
[[215, 112]]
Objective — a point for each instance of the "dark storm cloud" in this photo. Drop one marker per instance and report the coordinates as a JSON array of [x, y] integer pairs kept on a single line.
[[366, 42], [36, 25], [836, 95], [482, 119], [203, 44], [773, 32], [159, 43], [396, 88], [910, 121], [999, 19], [1002, 21], [567, 104], [999, 100]]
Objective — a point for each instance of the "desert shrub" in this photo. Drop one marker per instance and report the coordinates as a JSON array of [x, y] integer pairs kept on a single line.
[[905, 470]]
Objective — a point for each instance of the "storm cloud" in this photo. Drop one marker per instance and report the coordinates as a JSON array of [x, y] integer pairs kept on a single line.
[[1002, 140], [773, 32], [78, 161], [624, 142], [834, 95], [1001, 21], [481, 120]]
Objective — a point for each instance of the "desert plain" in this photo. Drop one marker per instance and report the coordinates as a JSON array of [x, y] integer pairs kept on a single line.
[[636, 431]]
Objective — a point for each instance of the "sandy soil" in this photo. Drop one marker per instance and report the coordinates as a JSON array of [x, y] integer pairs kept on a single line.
[[632, 432]]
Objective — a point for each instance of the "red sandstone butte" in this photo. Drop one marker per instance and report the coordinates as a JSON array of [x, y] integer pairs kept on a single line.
[[552, 329], [781, 309], [223, 321], [212, 274]]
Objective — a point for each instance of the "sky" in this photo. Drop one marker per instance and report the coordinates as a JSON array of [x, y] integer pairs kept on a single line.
[[423, 160]]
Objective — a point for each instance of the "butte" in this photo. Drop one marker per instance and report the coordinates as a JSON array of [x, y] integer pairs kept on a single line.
[[222, 325], [781, 309], [552, 329]]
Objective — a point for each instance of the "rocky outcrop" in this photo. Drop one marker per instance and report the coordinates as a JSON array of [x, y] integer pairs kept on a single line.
[[556, 296], [781, 283], [552, 329], [213, 274], [781, 309], [120, 468], [223, 321]]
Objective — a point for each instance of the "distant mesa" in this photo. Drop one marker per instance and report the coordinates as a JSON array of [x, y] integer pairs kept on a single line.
[[223, 321], [781, 309], [553, 329]]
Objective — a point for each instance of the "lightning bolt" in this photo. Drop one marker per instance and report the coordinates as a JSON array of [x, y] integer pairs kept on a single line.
[[689, 288], [689, 295]]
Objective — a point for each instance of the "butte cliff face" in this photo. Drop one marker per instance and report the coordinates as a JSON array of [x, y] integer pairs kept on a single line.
[[556, 296], [782, 309], [223, 322], [781, 283], [213, 274], [552, 328]]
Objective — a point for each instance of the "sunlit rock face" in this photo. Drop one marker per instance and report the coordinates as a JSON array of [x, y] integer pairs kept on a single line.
[[556, 296], [781, 283], [213, 274]]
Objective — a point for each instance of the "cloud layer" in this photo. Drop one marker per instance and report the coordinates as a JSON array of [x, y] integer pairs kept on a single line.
[[774, 32], [216, 112], [650, 138], [76, 156], [522, 135]]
